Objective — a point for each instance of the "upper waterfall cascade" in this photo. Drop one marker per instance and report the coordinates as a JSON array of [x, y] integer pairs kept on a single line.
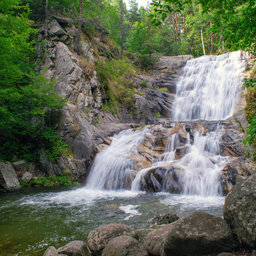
[[208, 89]]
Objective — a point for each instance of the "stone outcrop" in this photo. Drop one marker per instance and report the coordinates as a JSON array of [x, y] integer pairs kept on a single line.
[[172, 63], [240, 210], [99, 237], [8, 177]]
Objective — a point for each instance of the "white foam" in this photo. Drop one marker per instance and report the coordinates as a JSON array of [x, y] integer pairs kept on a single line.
[[131, 210]]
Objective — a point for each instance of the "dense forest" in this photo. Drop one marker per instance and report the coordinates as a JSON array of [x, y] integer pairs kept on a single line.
[[170, 27]]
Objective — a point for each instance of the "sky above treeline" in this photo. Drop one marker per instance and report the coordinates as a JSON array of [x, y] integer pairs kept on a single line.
[[140, 2]]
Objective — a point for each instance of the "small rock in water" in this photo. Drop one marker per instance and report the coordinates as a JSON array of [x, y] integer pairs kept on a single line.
[[163, 219], [51, 251], [74, 248], [124, 246]]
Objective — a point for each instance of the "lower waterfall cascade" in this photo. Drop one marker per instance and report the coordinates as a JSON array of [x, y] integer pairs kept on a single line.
[[208, 89]]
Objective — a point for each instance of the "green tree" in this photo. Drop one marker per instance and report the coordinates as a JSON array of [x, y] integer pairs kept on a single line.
[[25, 98]]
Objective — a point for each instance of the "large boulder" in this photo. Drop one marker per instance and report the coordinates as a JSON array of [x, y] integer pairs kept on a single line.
[[8, 177], [74, 248], [240, 210], [124, 246], [198, 234], [99, 237]]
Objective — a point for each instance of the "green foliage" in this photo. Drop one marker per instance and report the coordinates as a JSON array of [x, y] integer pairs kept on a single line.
[[48, 182], [164, 89], [232, 23], [16, 48], [115, 84], [158, 115], [26, 98]]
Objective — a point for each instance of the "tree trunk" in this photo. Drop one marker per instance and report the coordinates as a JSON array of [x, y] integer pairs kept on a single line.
[[202, 38], [76, 46], [46, 19], [212, 43]]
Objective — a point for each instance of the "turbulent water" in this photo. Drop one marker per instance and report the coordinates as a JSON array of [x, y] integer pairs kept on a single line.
[[208, 89]]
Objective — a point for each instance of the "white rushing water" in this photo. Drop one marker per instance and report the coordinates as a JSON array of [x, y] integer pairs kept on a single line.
[[112, 167], [208, 89]]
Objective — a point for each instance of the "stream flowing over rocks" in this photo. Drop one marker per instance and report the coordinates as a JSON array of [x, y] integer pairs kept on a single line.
[[196, 150], [135, 164]]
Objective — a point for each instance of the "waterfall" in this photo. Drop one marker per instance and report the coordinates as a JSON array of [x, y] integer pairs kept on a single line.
[[112, 166], [208, 89]]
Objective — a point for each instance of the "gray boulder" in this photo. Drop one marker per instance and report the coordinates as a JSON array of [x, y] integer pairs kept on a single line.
[[51, 251], [99, 237], [198, 234], [240, 210], [124, 246], [8, 177], [74, 248]]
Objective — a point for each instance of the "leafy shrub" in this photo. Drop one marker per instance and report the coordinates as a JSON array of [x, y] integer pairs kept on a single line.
[[48, 182], [115, 84]]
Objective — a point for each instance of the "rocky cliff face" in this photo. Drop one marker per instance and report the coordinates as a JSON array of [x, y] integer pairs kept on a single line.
[[83, 124]]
